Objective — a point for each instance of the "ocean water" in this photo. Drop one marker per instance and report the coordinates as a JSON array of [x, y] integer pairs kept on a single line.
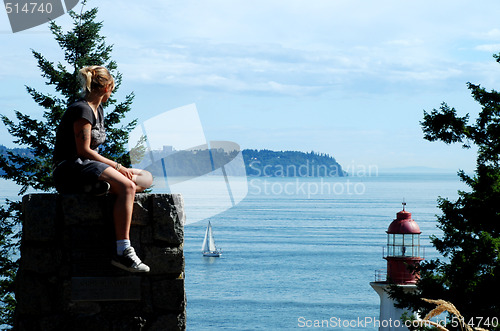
[[299, 251]]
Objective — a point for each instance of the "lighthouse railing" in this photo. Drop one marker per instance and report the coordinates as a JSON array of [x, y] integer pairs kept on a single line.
[[380, 275]]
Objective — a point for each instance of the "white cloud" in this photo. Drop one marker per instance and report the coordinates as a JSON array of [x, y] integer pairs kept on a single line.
[[274, 68], [490, 48], [405, 42], [302, 47], [493, 34]]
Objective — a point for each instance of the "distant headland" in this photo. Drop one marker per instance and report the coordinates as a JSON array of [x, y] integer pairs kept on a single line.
[[267, 163], [258, 163]]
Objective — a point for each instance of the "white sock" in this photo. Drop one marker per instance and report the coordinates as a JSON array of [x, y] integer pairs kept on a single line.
[[122, 245]]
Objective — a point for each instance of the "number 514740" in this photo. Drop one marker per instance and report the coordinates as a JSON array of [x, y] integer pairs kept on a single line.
[[28, 8]]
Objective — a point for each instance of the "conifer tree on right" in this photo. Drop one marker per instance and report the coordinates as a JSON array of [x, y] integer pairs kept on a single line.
[[468, 274]]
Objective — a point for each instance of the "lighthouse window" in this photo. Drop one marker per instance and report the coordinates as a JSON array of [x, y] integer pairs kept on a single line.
[[397, 247], [416, 245], [408, 239], [390, 244], [407, 244]]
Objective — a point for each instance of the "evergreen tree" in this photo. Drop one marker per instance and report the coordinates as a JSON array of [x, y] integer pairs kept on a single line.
[[82, 46], [469, 274]]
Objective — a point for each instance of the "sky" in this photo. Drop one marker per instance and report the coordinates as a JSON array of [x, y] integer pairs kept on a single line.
[[350, 78]]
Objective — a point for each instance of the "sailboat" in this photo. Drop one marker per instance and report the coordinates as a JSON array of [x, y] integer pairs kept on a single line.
[[208, 248]]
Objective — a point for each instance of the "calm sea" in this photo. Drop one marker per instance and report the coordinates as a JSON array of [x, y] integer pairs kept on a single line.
[[295, 253], [302, 250]]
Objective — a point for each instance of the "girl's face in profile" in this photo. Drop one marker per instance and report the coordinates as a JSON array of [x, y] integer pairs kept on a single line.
[[107, 92]]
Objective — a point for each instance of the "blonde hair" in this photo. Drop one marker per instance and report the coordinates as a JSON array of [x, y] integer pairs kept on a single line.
[[95, 77]]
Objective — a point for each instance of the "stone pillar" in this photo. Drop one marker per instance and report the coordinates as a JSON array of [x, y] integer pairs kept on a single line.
[[66, 282]]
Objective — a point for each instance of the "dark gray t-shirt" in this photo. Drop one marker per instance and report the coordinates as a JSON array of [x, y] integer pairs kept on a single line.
[[65, 147]]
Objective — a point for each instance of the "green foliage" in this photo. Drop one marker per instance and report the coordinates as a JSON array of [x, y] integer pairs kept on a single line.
[[469, 272], [443, 124], [266, 163], [82, 46], [9, 247]]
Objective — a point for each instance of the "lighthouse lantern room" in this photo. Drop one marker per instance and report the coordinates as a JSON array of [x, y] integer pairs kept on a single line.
[[403, 248]]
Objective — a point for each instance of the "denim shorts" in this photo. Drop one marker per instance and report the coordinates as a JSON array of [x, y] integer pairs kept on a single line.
[[70, 176]]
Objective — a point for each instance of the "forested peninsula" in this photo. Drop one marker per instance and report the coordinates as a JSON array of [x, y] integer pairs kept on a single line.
[[258, 163], [267, 163]]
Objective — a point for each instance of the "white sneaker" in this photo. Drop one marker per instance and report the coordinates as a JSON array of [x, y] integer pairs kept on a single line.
[[129, 261]]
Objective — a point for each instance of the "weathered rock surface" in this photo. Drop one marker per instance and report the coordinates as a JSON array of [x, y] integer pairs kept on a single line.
[[66, 282]]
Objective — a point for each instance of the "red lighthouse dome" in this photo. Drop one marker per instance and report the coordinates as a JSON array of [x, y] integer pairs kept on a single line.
[[403, 249], [403, 224]]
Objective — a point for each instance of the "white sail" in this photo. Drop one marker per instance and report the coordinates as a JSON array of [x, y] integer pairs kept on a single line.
[[204, 246], [208, 241], [208, 246]]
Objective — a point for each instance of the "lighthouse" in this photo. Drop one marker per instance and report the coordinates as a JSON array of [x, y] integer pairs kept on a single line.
[[402, 254]]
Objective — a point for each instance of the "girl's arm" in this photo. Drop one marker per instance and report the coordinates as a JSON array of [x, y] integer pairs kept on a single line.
[[83, 136]]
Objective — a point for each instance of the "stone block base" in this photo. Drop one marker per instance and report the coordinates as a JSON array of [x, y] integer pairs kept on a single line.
[[66, 281]]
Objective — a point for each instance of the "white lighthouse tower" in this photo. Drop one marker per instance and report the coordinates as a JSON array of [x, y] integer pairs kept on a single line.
[[403, 251]]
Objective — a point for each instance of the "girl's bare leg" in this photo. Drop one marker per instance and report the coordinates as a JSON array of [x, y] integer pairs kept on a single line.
[[142, 178], [125, 190]]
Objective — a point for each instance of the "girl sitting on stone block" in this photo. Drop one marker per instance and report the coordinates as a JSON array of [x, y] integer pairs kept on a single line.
[[79, 168]]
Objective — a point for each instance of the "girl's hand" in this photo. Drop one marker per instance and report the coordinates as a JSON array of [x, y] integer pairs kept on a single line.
[[126, 172]]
